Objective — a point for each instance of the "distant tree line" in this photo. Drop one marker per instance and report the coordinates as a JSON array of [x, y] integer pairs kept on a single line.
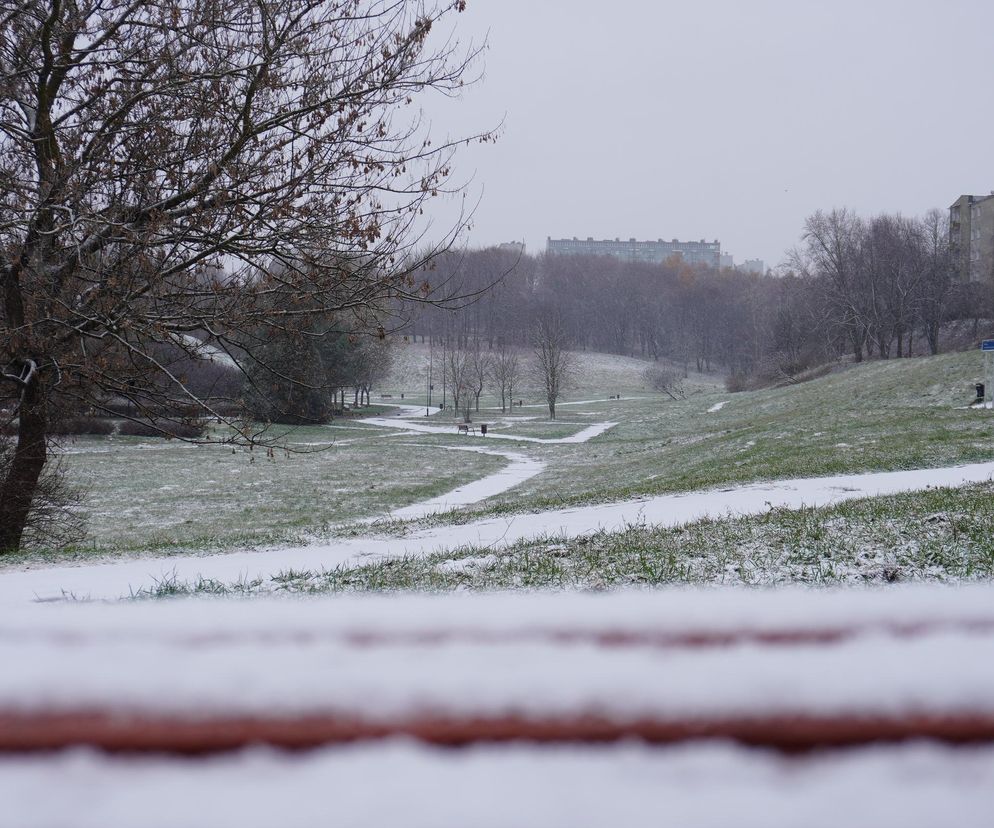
[[866, 287]]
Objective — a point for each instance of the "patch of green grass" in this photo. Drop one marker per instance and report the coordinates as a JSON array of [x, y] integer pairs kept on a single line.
[[934, 535], [152, 496], [881, 416]]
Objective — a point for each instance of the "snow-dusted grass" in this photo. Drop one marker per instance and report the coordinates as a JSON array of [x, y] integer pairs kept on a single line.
[[153, 495], [897, 414], [158, 495], [937, 534]]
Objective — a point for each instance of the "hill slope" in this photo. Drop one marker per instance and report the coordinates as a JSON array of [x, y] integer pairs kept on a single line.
[[598, 374]]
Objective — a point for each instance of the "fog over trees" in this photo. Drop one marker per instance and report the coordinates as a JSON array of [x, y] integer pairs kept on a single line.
[[876, 287]]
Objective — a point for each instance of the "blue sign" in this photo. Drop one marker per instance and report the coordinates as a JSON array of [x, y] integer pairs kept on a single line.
[[987, 345]]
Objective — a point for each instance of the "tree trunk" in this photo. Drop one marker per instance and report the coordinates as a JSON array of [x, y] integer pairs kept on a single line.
[[21, 480]]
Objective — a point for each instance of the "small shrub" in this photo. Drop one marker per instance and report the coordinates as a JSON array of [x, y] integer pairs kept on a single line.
[[141, 428], [664, 380], [736, 382], [83, 425]]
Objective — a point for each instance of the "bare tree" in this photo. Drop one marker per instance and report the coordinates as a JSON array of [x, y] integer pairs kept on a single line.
[[460, 379], [665, 380], [505, 371], [835, 252], [939, 270], [372, 364], [554, 366], [479, 369], [183, 170]]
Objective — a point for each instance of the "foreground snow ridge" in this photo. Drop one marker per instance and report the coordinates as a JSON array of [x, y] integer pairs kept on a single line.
[[398, 783], [544, 691]]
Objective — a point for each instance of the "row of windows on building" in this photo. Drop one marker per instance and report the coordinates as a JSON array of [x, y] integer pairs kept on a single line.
[[702, 252]]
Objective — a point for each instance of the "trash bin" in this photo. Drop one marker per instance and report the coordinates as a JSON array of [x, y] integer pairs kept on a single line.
[[483, 429], [981, 396]]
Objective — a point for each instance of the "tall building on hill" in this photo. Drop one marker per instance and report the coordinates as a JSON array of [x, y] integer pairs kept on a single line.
[[693, 253], [971, 237]]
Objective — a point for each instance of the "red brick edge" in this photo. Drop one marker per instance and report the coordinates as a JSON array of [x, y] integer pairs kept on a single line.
[[190, 736]]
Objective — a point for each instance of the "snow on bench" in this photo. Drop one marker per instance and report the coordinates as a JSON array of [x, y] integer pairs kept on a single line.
[[791, 670], [544, 692]]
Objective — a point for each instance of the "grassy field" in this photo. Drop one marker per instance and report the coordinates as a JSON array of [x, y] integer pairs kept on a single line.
[[152, 496], [159, 496], [899, 414], [939, 534]]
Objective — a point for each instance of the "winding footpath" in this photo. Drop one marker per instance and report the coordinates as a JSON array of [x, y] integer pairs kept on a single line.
[[120, 578], [116, 579]]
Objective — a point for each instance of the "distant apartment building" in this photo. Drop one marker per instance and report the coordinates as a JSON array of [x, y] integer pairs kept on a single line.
[[517, 247], [752, 266], [693, 253], [971, 237], [748, 266]]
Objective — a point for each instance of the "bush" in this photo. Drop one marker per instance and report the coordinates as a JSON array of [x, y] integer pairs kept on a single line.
[[143, 428], [736, 382], [770, 376], [83, 425]]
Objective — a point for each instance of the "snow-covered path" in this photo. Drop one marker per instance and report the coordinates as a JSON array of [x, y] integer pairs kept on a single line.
[[519, 469], [424, 428], [112, 580]]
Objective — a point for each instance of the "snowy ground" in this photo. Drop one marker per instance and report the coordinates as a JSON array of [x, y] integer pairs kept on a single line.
[[607, 373], [405, 418], [146, 496], [519, 469], [889, 664], [114, 580]]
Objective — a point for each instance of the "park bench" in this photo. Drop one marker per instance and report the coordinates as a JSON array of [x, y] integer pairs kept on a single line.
[[706, 674], [791, 672], [466, 428]]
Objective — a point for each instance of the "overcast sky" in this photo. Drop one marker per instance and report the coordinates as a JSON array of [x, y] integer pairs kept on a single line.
[[727, 119]]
